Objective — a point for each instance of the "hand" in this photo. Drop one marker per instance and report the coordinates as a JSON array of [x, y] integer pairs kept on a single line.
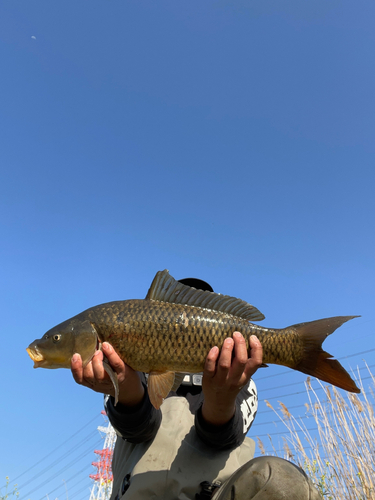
[[224, 377], [96, 378]]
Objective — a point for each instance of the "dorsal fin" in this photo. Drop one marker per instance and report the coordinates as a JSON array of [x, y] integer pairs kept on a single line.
[[166, 289]]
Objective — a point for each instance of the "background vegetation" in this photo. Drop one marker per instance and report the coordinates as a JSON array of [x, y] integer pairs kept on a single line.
[[340, 455], [4, 495]]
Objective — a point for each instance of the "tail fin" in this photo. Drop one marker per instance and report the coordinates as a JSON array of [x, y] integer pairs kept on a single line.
[[319, 363]]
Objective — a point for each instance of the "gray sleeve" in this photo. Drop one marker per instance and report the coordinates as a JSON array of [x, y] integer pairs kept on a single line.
[[137, 424], [231, 434]]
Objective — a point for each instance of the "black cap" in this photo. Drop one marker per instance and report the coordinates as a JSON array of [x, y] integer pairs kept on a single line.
[[196, 283]]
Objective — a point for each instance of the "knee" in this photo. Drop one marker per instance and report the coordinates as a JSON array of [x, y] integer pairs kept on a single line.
[[270, 478], [283, 478]]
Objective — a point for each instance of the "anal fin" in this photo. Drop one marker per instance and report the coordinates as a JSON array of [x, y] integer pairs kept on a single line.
[[159, 386], [113, 376], [178, 378]]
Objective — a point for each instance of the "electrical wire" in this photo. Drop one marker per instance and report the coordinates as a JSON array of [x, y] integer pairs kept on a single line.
[[340, 358], [283, 432], [298, 383], [303, 392], [55, 449], [58, 487], [317, 389], [74, 461], [68, 481], [74, 494], [68, 453]]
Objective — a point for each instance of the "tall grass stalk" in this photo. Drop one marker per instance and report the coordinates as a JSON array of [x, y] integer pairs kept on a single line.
[[339, 456], [4, 495]]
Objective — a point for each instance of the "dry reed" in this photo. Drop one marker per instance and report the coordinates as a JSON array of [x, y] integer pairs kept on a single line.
[[339, 456]]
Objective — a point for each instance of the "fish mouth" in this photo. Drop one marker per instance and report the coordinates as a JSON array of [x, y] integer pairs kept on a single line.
[[36, 356]]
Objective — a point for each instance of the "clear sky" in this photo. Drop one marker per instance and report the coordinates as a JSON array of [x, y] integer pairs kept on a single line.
[[227, 140]]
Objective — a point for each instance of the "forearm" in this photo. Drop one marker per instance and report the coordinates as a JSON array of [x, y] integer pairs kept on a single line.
[[137, 424], [228, 435], [232, 432], [218, 413]]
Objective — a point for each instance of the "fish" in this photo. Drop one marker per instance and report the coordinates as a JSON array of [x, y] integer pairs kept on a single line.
[[171, 331]]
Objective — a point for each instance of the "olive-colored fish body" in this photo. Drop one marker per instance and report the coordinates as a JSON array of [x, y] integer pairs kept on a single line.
[[173, 329], [157, 336]]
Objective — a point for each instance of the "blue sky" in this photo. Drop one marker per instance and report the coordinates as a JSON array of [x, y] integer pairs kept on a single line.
[[230, 141]]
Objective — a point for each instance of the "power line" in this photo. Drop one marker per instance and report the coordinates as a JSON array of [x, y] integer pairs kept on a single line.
[[262, 412], [74, 494], [317, 389], [52, 491], [356, 354], [84, 478], [298, 383], [300, 392], [82, 497], [61, 458], [54, 450], [340, 358], [307, 415], [85, 453], [283, 432]]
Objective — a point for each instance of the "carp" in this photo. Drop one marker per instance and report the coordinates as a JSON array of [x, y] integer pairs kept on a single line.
[[171, 331]]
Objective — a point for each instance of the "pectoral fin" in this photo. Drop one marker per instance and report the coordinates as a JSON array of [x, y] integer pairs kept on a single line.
[[159, 386], [113, 376]]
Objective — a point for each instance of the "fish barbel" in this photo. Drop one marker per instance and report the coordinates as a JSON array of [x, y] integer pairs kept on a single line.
[[173, 329]]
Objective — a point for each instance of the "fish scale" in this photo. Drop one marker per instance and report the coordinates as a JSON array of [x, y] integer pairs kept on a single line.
[[150, 335]]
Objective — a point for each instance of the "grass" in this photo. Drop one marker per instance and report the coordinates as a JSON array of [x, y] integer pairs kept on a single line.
[[6, 494], [339, 456]]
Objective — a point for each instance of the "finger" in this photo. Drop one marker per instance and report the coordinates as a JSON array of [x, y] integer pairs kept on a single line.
[[97, 367], [256, 356], [88, 374], [225, 360], [210, 364], [256, 350], [240, 356], [77, 368], [113, 358]]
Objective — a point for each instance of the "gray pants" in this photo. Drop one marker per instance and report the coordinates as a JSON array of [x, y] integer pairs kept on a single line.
[[268, 478]]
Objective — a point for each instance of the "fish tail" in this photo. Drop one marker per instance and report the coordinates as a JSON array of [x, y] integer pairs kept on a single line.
[[319, 363]]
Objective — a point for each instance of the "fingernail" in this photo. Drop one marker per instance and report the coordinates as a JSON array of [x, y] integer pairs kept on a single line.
[[237, 334], [97, 353], [75, 358], [255, 339], [214, 350], [107, 346]]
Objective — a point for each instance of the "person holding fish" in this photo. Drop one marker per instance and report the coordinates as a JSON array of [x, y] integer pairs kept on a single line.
[[179, 439], [189, 441]]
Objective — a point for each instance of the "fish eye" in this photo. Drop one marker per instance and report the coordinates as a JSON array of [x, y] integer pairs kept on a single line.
[[56, 337]]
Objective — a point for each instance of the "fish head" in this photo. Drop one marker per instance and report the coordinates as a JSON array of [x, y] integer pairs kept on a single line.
[[57, 346]]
